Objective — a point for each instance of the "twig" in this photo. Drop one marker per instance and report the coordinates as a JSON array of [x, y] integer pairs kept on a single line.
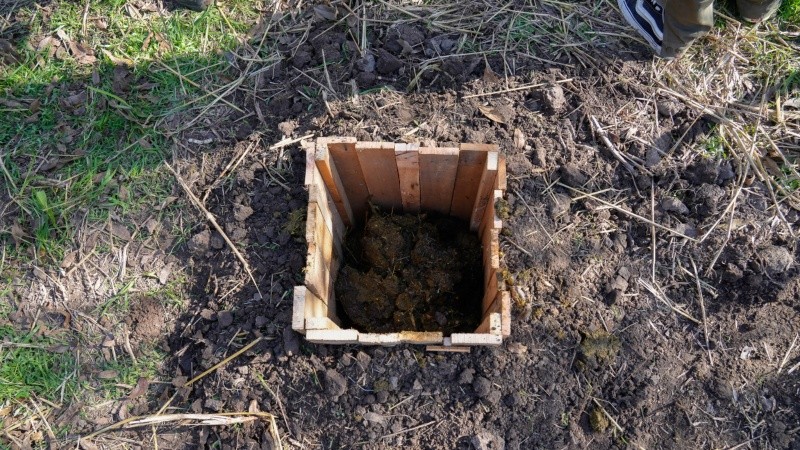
[[278, 401], [517, 89], [653, 229], [610, 145], [408, 430], [656, 292], [627, 213], [223, 362], [210, 217], [788, 352], [519, 247], [229, 168], [608, 416], [702, 310]]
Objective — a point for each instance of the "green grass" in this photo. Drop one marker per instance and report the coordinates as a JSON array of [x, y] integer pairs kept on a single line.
[[28, 368], [128, 372], [66, 164], [790, 12]]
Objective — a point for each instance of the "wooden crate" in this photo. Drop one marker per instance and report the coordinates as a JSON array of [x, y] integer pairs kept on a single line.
[[343, 175]]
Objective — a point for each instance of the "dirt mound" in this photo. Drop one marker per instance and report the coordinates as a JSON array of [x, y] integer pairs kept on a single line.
[[411, 273]]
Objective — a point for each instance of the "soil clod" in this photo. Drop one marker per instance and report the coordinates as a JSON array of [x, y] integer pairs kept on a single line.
[[411, 273]]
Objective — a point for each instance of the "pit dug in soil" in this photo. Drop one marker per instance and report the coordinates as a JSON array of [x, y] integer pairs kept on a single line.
[[411, 272]]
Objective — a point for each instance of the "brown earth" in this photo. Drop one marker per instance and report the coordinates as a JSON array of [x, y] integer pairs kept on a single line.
[[624, 334]]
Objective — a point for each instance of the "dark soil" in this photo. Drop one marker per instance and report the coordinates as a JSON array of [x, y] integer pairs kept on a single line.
[[411, 272], [608, 310]]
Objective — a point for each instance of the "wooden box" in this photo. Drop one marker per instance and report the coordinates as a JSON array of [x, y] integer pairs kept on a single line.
[[343, 175]]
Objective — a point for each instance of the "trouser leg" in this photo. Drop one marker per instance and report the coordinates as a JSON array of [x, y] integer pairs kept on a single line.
[[685, 21], [757, 10]]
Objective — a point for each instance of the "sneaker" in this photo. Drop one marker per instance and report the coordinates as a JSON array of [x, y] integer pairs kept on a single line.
[[646, 17]]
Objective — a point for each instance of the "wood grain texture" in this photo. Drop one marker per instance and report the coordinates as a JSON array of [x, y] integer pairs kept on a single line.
[[437, 177], [468, 177], [475, 339], [485, 190], [408, 170], [500, 181], [305, 304], [326, 168], [491, 324], [332, 336], [445, 349], [502, 305], [379, 166], [490, 220], [344, 156]]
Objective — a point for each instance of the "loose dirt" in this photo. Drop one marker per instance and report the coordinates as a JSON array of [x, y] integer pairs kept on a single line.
[[681, 333], [411, 272]]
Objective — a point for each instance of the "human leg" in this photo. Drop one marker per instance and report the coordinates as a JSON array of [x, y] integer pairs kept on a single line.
[[757, 10], [684, 22]]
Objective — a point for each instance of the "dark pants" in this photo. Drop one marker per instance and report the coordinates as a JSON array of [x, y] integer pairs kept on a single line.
[[687, 20]]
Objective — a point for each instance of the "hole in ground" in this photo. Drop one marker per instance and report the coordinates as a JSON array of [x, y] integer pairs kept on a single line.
[[411, 272]]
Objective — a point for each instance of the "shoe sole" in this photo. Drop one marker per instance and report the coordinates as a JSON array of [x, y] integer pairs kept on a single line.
[[629, 16]]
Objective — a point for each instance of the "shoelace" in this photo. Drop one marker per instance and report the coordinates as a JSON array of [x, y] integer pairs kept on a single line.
[[656, 5]]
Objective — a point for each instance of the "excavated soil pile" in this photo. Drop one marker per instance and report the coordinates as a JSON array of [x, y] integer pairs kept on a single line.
[[411, 272]]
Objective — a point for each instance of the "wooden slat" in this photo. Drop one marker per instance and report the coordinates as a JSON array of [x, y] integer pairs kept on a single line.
[[490, 291], [485, 190], [473, 339], [491, 324], [451, 349], [490, 220], [318, 194], [321, 264], [491, 253], [379, 166], [403, 337], [343, 153], [471, 162], [321, 323], [326, 168], [408, 170], [500, 181], [437, 177], [332, 336], [502, 306], [305, 304], [310, 152]]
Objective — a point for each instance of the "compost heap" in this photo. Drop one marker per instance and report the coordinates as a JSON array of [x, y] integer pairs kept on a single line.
[[411, 272]]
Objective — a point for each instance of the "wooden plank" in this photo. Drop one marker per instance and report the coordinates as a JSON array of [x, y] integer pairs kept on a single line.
[[500, 181], [379, 165], [490, 291], [318, 194], [385, 339], [408, 170], [345, 158], [322, 264], [471, 339], [485, 190], [437, 177], [502, 306], [421, 337], [326, 168], [468, 176], [332, 336], [321, 323], [305, 305], [310, 152], [491, 324], [451, 349], [491, 253], [490, 219]]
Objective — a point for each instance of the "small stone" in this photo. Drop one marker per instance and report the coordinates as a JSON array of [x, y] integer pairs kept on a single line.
[[776, 259], [335, 384], [466, 376], [198, 244], [214, 404], [572, 176], [387, 63], [559, 204], [216, 242], [553, 98], [225, 318], [375, 418], [242, 212], [482, 386], [382, 396], [672, 204]]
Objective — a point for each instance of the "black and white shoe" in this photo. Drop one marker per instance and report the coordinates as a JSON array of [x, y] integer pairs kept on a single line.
[[646, 17]]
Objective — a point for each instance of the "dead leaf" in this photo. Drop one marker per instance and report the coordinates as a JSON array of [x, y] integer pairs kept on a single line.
[[489, 76], [39, 273], [82, 54], [74, 100], [519, 139], [164, 273], [35, 106], [180, 381], [140, 389], [69, 260], [792, 103], [87, 445], [108, 374], [493, 114], [117, 60], [325, 12], [771, 167], [121, 231], [17, 233]]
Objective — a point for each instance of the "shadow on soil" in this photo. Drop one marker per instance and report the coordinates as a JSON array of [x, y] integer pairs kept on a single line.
[[574, 263]]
